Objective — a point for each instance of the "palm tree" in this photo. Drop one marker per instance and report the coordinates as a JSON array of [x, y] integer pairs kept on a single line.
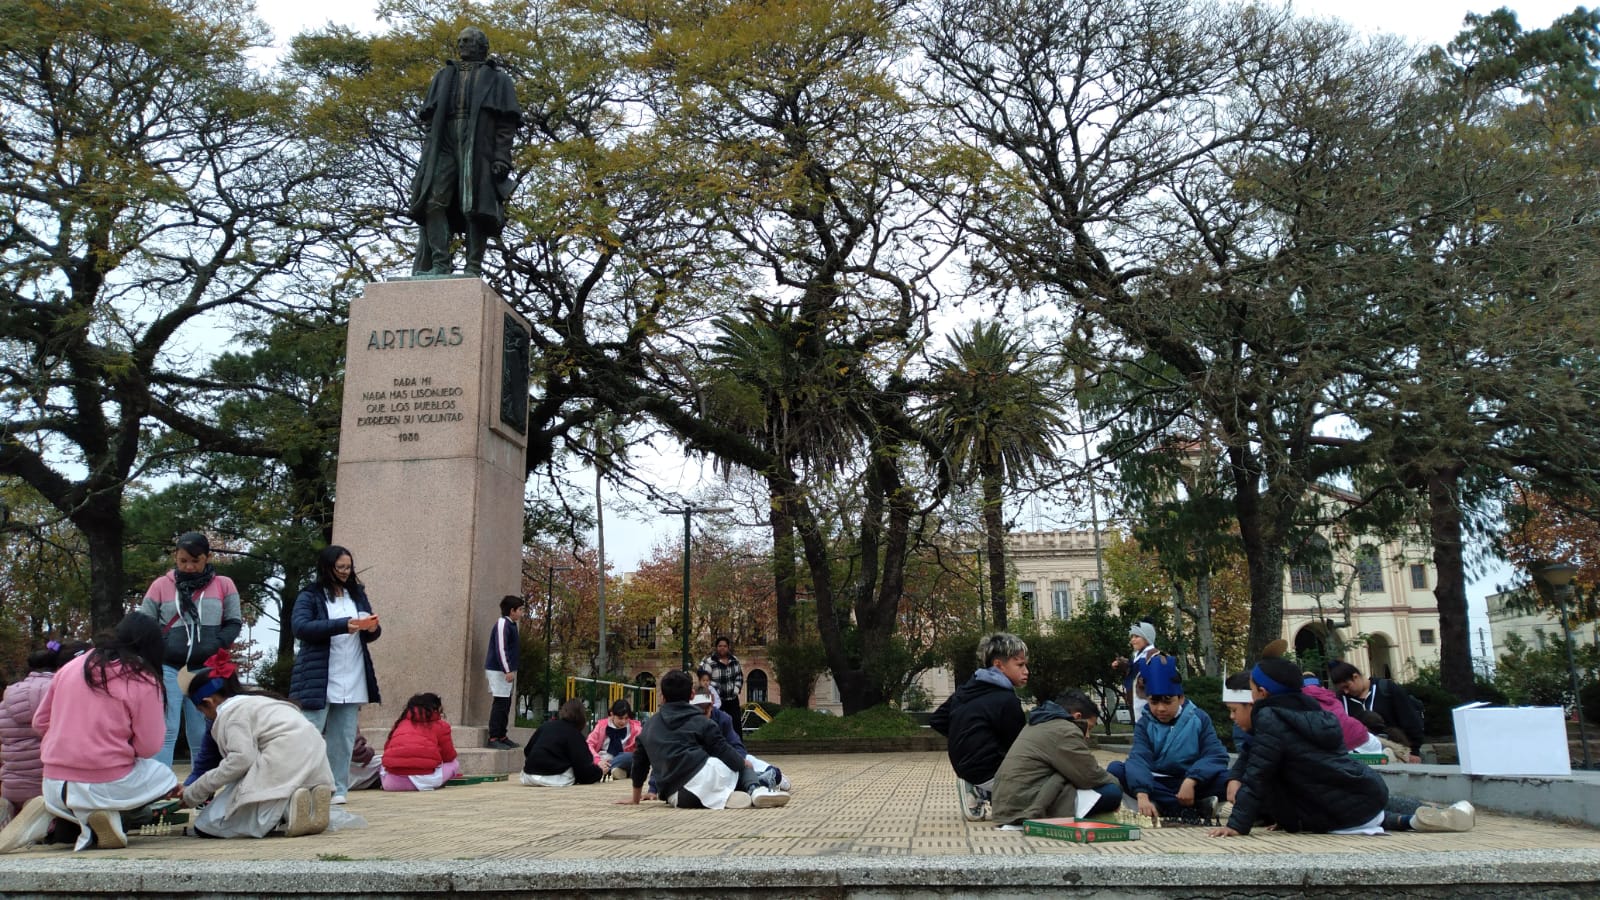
[[999, 419]]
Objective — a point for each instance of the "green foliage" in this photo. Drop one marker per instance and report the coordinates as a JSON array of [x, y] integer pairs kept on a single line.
[[1205, 692], [797, 662], [916, 699], [1538, 676], [274, 676], [958, 652], [1589, 697], [806, 724], [1437, 704]]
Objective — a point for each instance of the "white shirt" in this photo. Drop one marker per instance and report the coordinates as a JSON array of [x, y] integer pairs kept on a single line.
[[347, 670]]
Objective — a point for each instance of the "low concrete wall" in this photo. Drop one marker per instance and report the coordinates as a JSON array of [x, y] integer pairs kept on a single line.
[[1572, 798], [931, 742], [1549, 875]]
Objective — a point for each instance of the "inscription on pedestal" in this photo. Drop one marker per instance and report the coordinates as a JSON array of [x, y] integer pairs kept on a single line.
[[412, 402]]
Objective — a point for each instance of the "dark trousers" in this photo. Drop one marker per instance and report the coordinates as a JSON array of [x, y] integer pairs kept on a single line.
[[730, 705], [499, 717], [1164, 793]]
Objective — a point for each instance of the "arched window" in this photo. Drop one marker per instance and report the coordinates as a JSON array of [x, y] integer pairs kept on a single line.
[[755, 685]]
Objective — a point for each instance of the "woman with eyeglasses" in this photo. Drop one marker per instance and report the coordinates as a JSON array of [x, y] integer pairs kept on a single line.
[[333, 674]]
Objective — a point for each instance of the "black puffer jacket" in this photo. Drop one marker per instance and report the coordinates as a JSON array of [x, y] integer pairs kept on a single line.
[[1297, 773], [981, 720]]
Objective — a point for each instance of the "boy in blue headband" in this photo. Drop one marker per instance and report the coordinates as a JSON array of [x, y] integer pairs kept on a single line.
[[1177, 766], [1296, 773]]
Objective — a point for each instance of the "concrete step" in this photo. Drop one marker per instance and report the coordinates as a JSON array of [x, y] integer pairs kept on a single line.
[[1564, 798], [475, 758]]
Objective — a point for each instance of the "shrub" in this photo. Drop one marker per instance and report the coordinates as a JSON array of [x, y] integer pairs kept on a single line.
[[807, 724], [1589, 696], [274, 676], [1205, 692], [798, 665], [1437, 704]]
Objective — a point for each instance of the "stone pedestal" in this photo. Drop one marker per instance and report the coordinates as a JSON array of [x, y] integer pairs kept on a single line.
[[429, 494]]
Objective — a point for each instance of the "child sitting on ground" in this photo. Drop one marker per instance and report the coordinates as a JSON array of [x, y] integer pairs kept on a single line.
[[982, 719], [1297, 775], [1050, 767], [1382, 696], [694, 766], [419, 754], [1177, 766], [614, 738], [557, 756], [1357, 739], [272, 764]]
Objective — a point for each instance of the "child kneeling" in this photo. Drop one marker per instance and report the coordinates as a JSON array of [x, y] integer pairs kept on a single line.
[[1050, 770], [1297, 775], [1177, 764], [273, 764]]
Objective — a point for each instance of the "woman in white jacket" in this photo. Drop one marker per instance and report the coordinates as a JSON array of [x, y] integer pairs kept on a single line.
[[274, 766]]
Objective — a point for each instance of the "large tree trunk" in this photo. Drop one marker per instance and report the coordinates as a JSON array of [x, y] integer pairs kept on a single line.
[[1263, 553], [994, 530], [100, 520], [794, 686], [1450, 592]]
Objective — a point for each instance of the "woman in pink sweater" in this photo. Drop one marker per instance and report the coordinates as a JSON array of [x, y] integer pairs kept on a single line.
[[103, 721]]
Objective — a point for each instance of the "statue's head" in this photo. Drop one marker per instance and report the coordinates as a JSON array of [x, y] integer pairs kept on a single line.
[[472, 44]]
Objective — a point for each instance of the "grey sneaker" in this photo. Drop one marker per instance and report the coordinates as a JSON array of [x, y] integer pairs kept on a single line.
[[767, 798], [737, 800], [107, 828], [29, 826], [1457, 817], [308, 811], [1223, 811], [974, 806]]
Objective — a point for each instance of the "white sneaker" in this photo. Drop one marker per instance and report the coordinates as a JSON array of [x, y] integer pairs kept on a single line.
[[308, 811], [1457, 817], [784, 784], [28, 826], [338, 800], [767, 798], [107, 828], [737, 800]]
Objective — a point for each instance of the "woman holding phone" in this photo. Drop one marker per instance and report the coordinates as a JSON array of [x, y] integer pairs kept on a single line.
[[333, 674]]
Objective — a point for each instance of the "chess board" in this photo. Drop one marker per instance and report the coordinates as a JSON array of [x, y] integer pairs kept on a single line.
[[1080, 831], [475, 779], [1133, 819]]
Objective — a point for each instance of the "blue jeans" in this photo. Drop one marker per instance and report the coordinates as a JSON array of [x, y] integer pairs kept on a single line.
[[180, 708], [623, 761], [337, 722], [1164, 793]]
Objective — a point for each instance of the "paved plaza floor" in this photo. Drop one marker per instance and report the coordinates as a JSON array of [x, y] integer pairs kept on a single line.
[[852, 808]]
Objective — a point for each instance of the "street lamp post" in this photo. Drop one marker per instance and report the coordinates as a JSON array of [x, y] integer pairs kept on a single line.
[[549, 602], [1558, 578], [687, 511]]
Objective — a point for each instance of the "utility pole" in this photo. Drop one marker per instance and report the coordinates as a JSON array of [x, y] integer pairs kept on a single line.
[[687, 511]]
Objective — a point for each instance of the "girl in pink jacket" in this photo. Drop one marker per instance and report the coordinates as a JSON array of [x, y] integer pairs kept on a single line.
[[20, 768], [103, 721]]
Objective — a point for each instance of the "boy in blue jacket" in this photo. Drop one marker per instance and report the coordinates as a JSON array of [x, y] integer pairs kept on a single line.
[[1177, 766]]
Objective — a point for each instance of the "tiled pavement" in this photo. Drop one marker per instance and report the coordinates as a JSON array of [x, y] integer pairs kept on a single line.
[[864, 806]]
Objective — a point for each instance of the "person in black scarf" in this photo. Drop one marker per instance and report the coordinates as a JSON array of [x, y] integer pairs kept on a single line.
[[199, 613]]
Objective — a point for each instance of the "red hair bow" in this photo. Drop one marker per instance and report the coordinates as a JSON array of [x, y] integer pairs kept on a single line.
[[221, 664]]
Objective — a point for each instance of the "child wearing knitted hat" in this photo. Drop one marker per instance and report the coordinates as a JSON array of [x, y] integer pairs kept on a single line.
[[1177, 764], [1296, 774]]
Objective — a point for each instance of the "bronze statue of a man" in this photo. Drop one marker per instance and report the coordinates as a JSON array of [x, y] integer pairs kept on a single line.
[[469, 119]]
